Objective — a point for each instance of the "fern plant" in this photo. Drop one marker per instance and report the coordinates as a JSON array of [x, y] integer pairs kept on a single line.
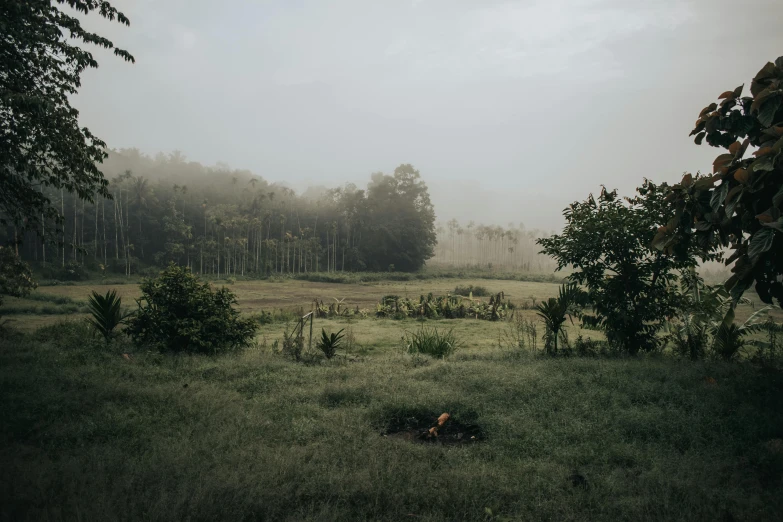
[[106, 312], [329, 343]]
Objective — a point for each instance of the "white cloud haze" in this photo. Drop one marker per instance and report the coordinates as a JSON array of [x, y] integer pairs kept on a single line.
[[534, 103]]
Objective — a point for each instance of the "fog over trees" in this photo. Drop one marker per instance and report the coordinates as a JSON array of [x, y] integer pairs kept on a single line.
[[218, 220]]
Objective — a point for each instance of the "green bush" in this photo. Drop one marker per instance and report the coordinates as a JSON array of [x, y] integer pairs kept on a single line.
[[329, 343], [50, 298], [73, 271], [178, 312], [16, 279], [431, 342], [475, 291], [443, 307], [106, 312]]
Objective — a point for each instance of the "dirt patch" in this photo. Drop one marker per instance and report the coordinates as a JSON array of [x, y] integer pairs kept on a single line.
[[426, 428]]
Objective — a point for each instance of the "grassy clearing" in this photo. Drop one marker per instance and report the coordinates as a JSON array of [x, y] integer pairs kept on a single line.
[[273, 296], [281, 297], [87, 434]]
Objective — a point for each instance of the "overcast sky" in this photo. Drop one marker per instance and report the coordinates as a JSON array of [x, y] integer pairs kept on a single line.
[[510, 110]]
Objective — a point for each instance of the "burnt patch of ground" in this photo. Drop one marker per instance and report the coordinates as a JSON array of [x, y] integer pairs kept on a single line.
[[430, 428]]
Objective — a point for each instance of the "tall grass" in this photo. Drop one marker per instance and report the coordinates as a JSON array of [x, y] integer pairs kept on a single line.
[[90, 435], [430, 341]]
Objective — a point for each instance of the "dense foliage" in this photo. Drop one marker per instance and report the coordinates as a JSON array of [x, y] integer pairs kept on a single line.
[[230, 222], [705, 321], [179, 313], [740, 204], [41, 143], [328, 344], [607, 242], [444, 307], [431, 341], [15, 276]]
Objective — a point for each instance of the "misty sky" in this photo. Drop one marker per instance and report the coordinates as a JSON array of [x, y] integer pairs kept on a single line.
[[510, 110]]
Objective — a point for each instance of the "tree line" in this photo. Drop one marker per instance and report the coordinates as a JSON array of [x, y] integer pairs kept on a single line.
[[488, 246], [226, 222]]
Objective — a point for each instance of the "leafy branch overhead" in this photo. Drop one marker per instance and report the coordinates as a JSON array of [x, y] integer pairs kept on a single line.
[[739, 205], [41, 143]]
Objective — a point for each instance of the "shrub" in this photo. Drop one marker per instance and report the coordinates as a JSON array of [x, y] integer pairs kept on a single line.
[[476, 291], [69, 335], [106, 312], [447, 307], [178, 312], [768, 350], [73, 271], [554, 312], [16, 279], [521, 333], [50, 298], [608, 241], [586, 347], [431, 342], [263, 318], [293, 343], [329, 343]]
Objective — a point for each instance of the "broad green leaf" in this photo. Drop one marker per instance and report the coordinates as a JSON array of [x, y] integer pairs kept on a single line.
[[777, 199], [721, 161], [761, 242], [768, 109], [719, 195], [769, 215], [760, 98], [762, 164], [730, 206], [733, 192], [777, 225]]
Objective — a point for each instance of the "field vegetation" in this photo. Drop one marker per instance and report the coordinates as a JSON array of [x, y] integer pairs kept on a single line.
[[230, 350], [89, 433]]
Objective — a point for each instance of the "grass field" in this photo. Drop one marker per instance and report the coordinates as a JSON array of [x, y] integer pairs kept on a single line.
[[88, 434], [255, 296], [49, 304]]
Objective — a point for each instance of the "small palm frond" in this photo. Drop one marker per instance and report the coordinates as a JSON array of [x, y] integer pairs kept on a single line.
[[106, 312], [728, 341], [329, 343]]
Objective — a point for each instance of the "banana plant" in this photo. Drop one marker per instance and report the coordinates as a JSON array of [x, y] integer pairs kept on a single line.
[[709, 311], [729, 339]]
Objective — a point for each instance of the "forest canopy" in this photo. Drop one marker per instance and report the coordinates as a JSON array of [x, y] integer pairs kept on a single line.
[[223, 221]]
